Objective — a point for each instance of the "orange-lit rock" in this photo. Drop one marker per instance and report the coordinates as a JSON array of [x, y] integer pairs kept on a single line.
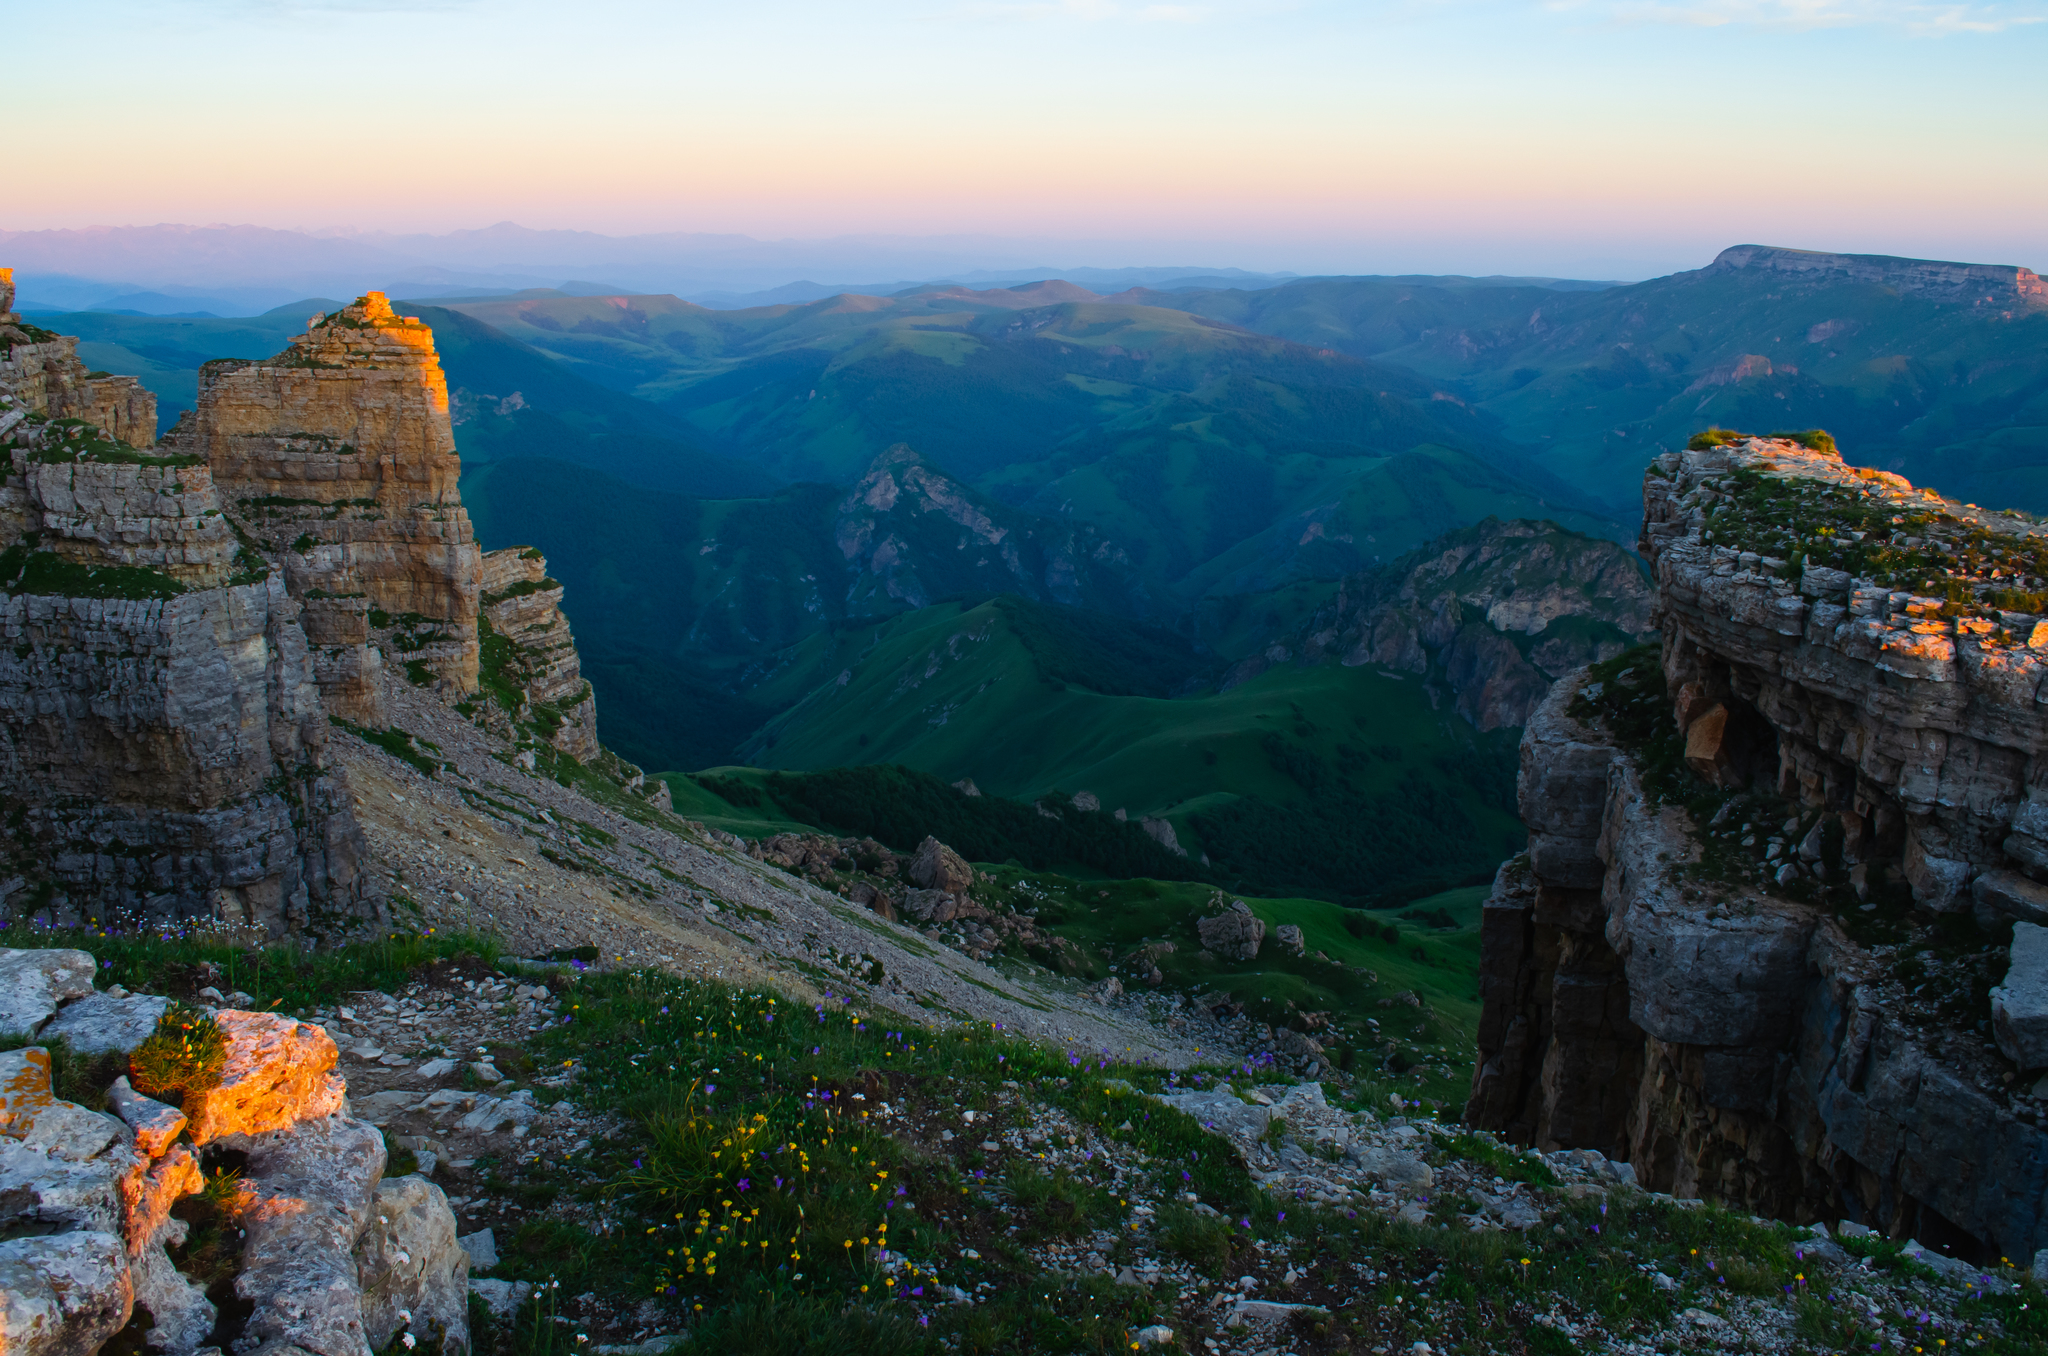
[[337, 455], [279, 1073], [147, 1196]]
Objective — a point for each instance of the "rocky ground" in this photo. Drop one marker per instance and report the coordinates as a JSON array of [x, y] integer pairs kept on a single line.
[[489, 845]]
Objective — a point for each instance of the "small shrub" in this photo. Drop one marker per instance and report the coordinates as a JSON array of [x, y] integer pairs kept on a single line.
[[1712, 437], [1813, 439], [1202, 1241], [184, 1055]]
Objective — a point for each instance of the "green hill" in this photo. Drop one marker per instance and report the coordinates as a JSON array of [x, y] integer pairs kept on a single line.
[[1328, 780], [1950, 387]]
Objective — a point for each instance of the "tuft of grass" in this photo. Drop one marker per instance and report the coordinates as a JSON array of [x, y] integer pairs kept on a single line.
[[184, 1056]]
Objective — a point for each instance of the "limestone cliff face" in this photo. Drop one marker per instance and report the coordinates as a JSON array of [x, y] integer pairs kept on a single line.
[[1995, 283], [528, 651], [1777, 1014], [161, 736], [1492, 614], [338, 458], [41, 371]]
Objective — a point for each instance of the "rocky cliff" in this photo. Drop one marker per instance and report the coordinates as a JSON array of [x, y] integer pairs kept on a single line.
[[1491, 614], [161, 736], [337, 457], [529, 657], [1992, 283], [1776, 866], [42, 372]]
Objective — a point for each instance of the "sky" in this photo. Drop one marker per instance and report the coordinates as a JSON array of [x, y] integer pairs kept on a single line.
[[1580, 138]]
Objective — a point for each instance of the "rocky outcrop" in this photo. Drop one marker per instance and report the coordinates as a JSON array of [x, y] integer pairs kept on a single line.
[[1746, 1009], [161, 736], [1491, 614], [334, 1261], [1926, 277], [909, 533], [529, 659], [337, 457], [42, 371], [1234, 934]]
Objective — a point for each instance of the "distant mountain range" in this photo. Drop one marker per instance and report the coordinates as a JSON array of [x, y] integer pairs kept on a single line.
[[1053, 500]]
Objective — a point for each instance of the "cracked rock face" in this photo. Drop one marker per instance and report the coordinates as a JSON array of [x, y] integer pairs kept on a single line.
[[523, 606], [1727, 1038], [337, 455]]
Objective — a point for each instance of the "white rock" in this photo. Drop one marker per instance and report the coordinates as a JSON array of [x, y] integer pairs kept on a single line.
[[482, 1247], [502, 1298], [436, 1068], [34, 983], [63, 1294], [100, 1022], [408, 1262]]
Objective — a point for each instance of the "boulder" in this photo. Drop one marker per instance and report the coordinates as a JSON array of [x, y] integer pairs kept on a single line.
[[1221, 1110], [184, 1317], [278, 1073], [1402, 1171], [931, 906], [147, 1197], [2011, 894], [1707, 750], [1235, 933], [409, 1263], [63, 1294], [1161, 832], [34, 984], [482, 1247], [2019, 1006], [100, 1022], [307, 1198], [938, 867], [155, 1125], [32, 1113], [1289, 936], [1300, 1048]]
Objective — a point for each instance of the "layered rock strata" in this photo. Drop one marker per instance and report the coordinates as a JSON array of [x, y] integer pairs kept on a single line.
[[1692, 1000], [529, 655], [161, 735], [42, 371], [338, 458]]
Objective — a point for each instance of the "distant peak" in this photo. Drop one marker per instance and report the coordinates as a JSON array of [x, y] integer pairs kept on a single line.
[[1931, 277]]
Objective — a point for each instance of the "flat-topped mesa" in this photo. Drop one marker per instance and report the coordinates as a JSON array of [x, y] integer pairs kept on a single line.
[[337, 456], [161, 737], [529, 658], [1984, 284], [1732, 954], [1891, 644], [42, 372]]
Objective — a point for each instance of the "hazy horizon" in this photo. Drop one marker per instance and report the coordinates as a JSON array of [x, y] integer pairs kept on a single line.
[[1617, 139]]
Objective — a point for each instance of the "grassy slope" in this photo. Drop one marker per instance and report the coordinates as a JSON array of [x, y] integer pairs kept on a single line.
[[955, 691]]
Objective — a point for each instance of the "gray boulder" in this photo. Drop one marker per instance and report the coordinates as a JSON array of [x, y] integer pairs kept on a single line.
[[482, 1247], [1219, 1109], [1403, 1171], [1235, 933], [310, 1189], [938, 867], [155, 1124], [100, 1022], [1289, 936], [63, 1294], [409, 1262], [2010, 893], [34, 984], [185, 1318], [2019, 1006]]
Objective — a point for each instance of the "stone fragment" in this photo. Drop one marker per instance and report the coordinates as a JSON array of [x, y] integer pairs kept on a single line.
[[2019, 1006], [1221, 1110], [100, 1022], [63, 1294], [147, 1197], [1289, 936], [2010, 893], [1404, 1171], [1706, 746], [155, 1124], [184, 1317], [278, 1073], [502, 1298], [408, 1262], [33, 1114], [482, 1247], [938, 867], [34, 983], [1235, 933], [307, 1197], [930, 906]]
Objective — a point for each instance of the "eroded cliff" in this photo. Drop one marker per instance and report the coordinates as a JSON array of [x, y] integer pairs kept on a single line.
[[1763, 928], [337, 457]]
